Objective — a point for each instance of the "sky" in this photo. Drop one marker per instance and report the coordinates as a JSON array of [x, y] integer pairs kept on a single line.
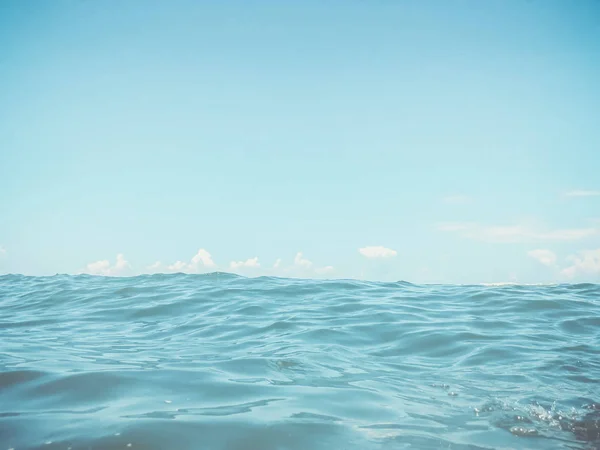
[[439, 141]]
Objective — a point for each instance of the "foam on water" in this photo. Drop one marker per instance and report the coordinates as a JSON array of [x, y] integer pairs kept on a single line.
[[219, 361]]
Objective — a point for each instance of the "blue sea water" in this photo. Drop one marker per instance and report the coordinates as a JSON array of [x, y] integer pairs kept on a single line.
[[220, 361]]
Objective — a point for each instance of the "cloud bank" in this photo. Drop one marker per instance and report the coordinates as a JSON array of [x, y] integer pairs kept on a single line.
[[203, 262]]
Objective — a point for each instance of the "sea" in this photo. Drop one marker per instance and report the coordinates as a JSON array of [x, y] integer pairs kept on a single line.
[[219, 361]]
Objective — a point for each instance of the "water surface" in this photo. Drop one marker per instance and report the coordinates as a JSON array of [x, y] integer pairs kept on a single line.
[[224, 362]]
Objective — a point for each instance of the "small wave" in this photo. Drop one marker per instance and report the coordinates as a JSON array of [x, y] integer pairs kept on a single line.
[[177, 360]]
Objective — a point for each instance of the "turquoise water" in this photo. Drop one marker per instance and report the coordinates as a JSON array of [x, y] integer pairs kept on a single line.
[[224, 362]]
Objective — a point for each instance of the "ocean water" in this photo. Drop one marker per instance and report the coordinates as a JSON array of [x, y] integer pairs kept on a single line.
[[224, 362]]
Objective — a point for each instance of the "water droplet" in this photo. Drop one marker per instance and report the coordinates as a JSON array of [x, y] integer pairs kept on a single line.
[[129, 445], [452, 394], [524, 432], [168, 401], [117, 434]]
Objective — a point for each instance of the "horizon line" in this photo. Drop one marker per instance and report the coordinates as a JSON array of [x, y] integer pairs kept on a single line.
[[486, 284]]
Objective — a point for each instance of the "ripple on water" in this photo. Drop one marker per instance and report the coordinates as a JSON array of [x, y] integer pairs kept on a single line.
[[224, 362]]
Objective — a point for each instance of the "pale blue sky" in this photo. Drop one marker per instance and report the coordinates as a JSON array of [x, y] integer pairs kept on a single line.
[[451, 132]]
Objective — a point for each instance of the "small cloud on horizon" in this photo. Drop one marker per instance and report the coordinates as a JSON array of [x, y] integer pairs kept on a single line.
[[300, 261], [203, 260], [543, 256], [178, 266], [585, 262], [154, 267], [377, 251], [199, 262], [104, 268], [249, 263]]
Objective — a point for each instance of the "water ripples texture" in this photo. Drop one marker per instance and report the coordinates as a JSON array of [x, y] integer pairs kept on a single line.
[[219, 361]]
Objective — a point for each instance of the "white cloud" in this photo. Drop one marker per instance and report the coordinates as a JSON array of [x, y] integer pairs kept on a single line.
[[202, 258], [302, 262], [582, 193], [301, 267], [377, 252], [546, 257], [515, 233], [121, 263], [154, 267], [456, 199], [104, 268], [586, 262], [249, 263], [178, 266], [98, 268]]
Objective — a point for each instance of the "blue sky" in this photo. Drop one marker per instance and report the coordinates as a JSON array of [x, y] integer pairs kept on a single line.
[[428, 141]]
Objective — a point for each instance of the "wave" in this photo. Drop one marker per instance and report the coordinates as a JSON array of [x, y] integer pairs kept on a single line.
[[224, 361]]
